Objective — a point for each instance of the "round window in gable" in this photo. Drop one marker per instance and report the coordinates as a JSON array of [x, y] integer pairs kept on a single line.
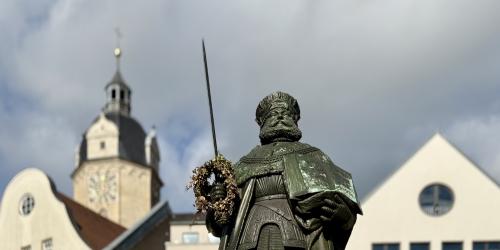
[[436, 199], [26, 204]]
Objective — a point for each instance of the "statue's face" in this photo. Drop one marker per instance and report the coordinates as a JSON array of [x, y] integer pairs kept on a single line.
[[279, 118], [279, 126]]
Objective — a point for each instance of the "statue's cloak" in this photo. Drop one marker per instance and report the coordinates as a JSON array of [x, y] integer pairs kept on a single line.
[[306, 171]]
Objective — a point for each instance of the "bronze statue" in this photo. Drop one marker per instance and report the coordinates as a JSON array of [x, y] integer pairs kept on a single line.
[[291, 195]]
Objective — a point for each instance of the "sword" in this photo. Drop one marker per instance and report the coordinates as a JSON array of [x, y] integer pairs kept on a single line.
[[224, 237], [214, 138]]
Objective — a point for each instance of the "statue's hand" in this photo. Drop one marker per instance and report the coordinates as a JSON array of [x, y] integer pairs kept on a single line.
[[337, 212], [215, 226], [218, 192]]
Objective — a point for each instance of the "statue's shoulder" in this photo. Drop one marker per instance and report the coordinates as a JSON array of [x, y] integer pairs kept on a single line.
[[276, 150], [313, 156], [267, 159]]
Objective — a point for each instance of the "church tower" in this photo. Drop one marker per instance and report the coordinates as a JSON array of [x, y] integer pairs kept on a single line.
[[117, 164]]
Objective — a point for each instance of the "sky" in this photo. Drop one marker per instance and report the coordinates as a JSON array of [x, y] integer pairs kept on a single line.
[[374, 79]]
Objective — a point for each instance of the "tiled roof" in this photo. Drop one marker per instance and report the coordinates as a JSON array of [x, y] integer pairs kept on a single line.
[[131, 138], [94, 229]]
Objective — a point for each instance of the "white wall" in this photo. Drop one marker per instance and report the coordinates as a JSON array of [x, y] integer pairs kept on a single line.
[[49, 218], [392, 212]]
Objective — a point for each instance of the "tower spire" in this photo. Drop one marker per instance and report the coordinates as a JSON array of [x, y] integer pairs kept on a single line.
[[118, 50], [117, 91]]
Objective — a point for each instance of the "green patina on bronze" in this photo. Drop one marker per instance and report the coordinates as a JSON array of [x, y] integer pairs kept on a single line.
[[291, 194], [307, 169], [267, 159]]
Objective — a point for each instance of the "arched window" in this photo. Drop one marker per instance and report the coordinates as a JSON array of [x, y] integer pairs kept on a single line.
[[113, 94], [122, 95]]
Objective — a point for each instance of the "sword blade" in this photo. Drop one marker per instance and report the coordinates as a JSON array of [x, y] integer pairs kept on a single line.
[[214, 138]]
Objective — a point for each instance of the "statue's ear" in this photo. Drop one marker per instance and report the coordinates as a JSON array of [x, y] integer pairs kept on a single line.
[[258, 121], [296, 118]]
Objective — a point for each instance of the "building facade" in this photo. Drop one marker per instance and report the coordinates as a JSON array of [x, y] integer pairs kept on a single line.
[[35, 216], [437, 200]]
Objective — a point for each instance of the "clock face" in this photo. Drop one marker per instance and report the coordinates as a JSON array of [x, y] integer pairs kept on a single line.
[[102, 187]]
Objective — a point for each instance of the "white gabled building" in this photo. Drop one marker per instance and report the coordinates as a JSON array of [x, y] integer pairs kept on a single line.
[[34, 215], [438, 200]]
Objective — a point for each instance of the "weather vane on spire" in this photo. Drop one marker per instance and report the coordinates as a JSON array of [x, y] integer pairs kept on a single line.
[[118, 51]]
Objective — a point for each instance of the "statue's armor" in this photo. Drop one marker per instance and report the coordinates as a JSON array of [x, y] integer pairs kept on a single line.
[[270, 223]]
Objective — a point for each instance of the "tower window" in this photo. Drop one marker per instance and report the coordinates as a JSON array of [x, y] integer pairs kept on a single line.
[[122, 94], [103, 145], [113, 94]]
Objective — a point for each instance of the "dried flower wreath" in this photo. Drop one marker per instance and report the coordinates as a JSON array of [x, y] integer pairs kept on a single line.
[[221, 169]]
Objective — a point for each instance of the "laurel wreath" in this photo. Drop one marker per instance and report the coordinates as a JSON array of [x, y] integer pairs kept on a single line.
[[222, 170]]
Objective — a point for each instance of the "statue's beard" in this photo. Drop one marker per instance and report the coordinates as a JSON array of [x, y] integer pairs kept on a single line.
[[288, 131]]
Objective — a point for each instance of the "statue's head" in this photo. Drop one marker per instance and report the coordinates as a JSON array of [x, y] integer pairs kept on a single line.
[[278, 115]]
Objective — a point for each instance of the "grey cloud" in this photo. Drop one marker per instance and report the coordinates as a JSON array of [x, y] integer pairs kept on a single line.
[[478, 137], [40, 140], [177, 171], [374, 79]]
